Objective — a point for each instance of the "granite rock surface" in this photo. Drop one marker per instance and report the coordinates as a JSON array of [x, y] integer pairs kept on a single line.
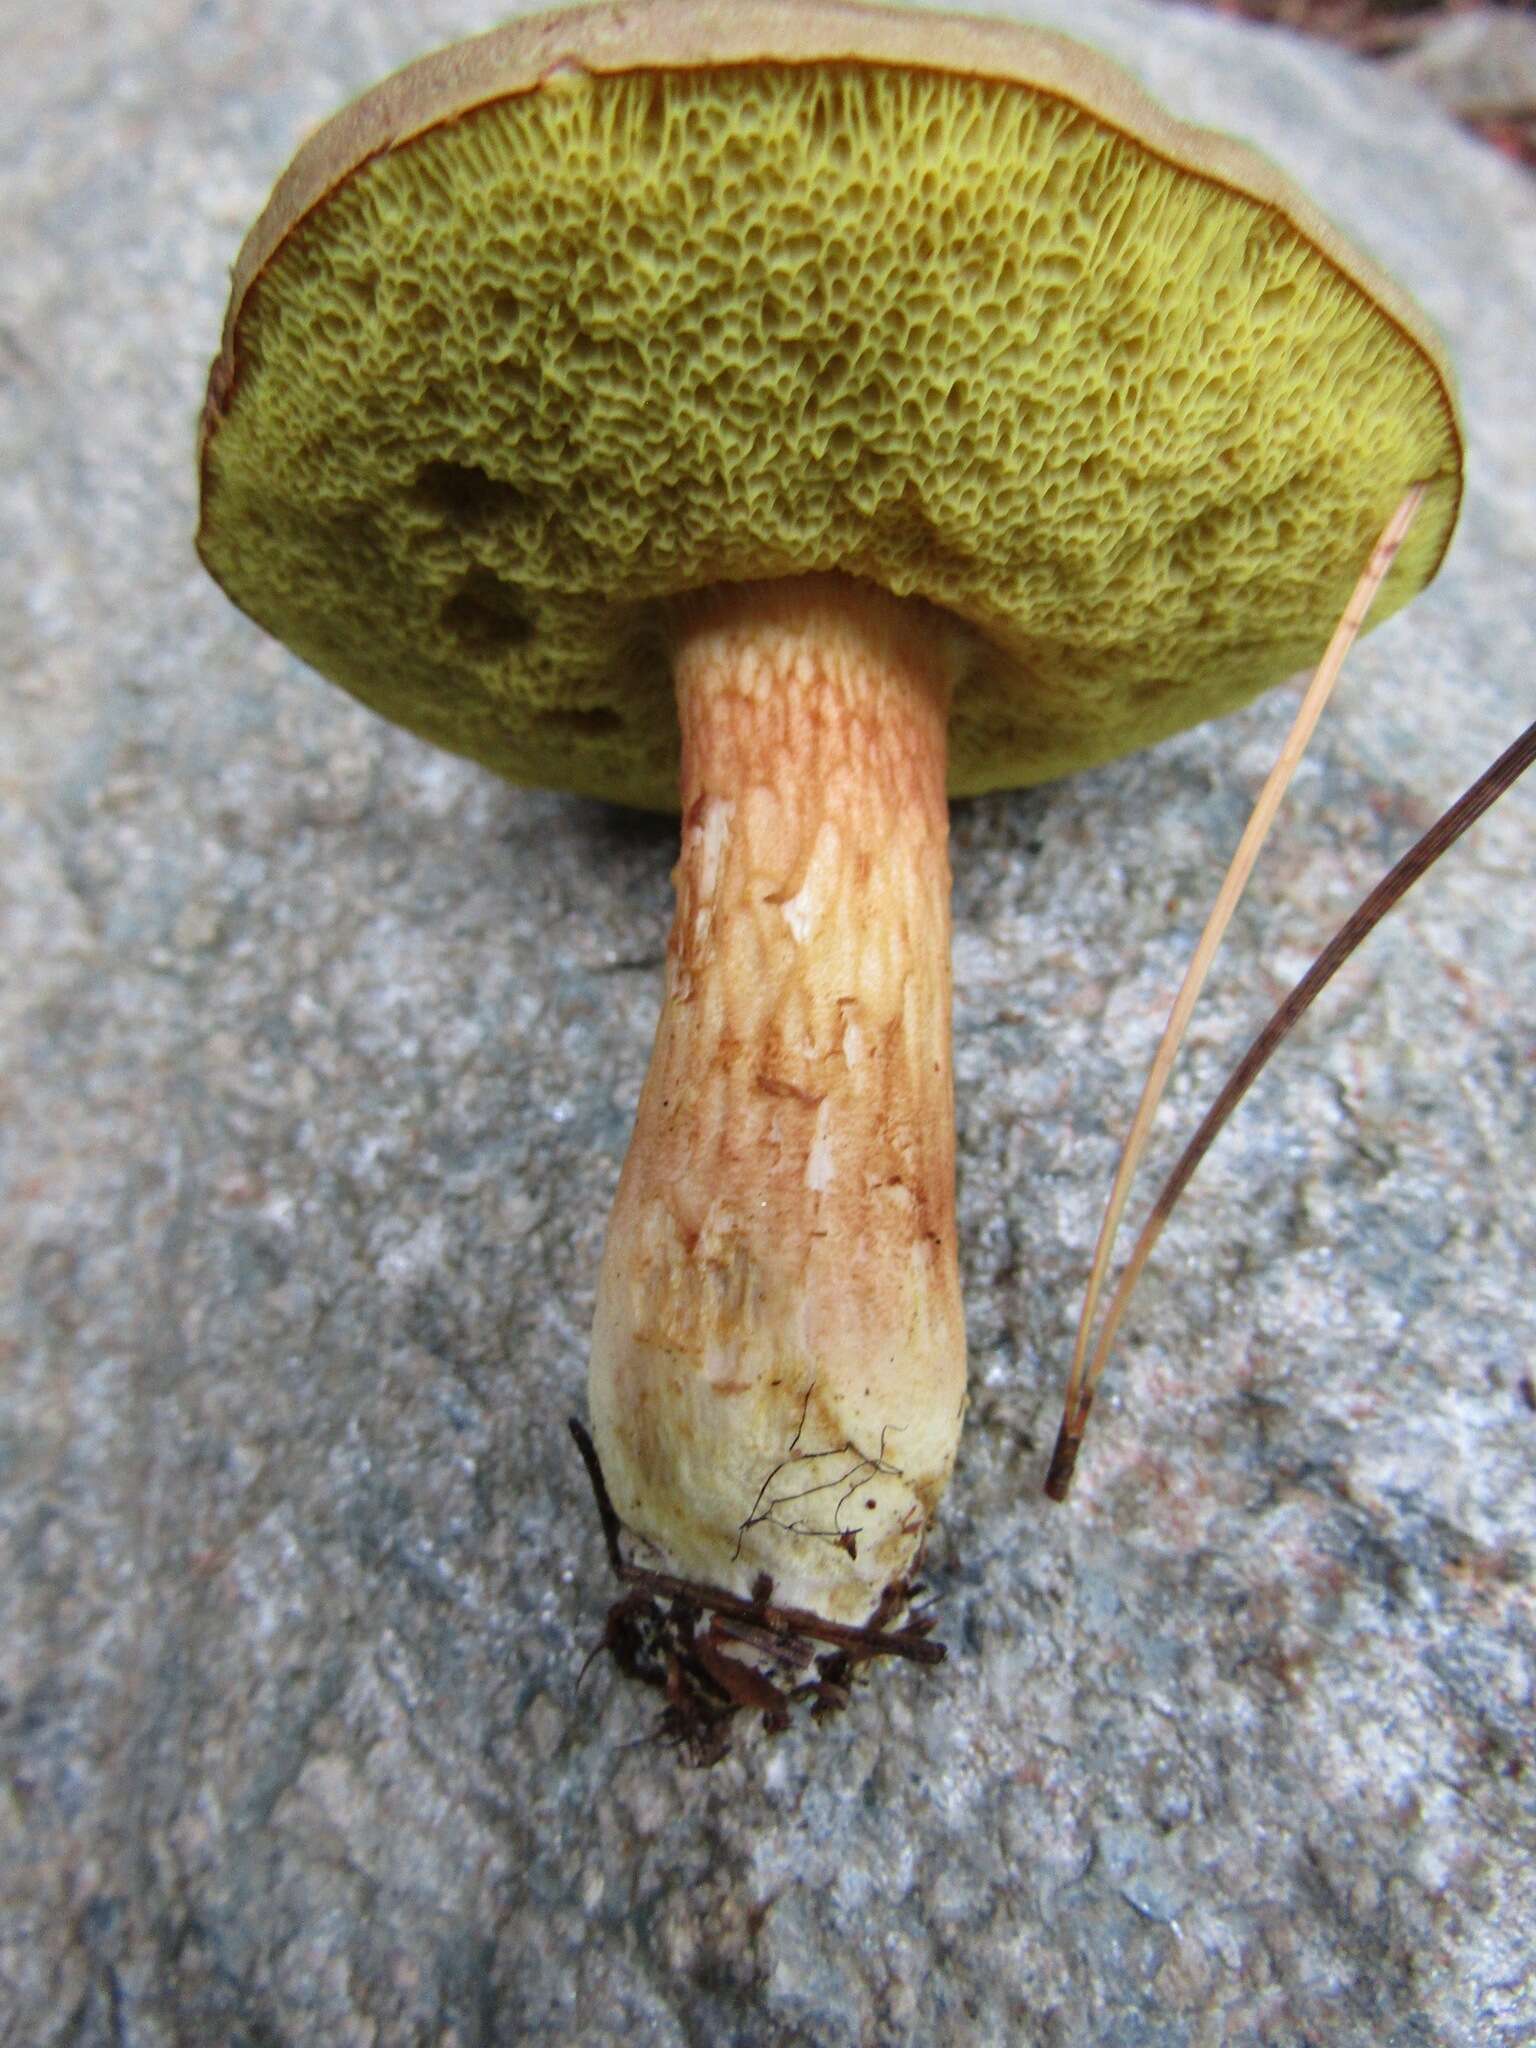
[[319, 1054]]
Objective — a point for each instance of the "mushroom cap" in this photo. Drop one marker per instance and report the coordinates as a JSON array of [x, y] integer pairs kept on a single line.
[[614, 304]]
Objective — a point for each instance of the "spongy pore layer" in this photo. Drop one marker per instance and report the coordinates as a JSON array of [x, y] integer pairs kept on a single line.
[[513, 384]]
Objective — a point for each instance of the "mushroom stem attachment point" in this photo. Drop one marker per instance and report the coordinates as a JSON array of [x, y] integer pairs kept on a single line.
[[779, 1624]]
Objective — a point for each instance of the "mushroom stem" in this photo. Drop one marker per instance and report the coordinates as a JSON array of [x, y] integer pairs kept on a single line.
[[778, 1362]]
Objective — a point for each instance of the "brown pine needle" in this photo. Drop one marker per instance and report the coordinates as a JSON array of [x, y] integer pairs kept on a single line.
[[1388, 892], [1077, 1398]]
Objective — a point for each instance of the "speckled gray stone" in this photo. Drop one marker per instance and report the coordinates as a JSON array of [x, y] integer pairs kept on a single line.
[[319, 1056]]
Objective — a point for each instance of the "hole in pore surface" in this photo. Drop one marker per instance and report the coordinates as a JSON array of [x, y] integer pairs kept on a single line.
[[465, 495], [485, 615], [582, 722], [362, 287]]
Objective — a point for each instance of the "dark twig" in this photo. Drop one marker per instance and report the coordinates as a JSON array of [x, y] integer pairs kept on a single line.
[[1388, 892], [605, 1512]]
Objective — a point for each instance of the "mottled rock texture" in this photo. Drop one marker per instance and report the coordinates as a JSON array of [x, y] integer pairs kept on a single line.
[[320, 1051]]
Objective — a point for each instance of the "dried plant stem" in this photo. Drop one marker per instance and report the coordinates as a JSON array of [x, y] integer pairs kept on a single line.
[[1393, 886], [1079, 1392]]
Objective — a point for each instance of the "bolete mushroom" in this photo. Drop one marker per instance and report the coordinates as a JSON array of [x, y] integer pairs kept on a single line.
[[795, 413]]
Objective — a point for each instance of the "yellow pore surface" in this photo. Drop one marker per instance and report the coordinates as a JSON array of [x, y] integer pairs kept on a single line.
[[516, 382]]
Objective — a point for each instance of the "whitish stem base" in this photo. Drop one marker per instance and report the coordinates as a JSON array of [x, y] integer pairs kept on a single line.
[[778, 1363]]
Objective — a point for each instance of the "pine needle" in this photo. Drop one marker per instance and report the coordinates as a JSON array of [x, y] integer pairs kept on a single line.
[[1080, 1389]]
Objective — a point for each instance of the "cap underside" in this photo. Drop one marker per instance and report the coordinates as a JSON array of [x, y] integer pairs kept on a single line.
[[510, 385]]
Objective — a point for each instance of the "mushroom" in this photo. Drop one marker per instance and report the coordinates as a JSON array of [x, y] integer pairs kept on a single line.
[[796, 414]]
